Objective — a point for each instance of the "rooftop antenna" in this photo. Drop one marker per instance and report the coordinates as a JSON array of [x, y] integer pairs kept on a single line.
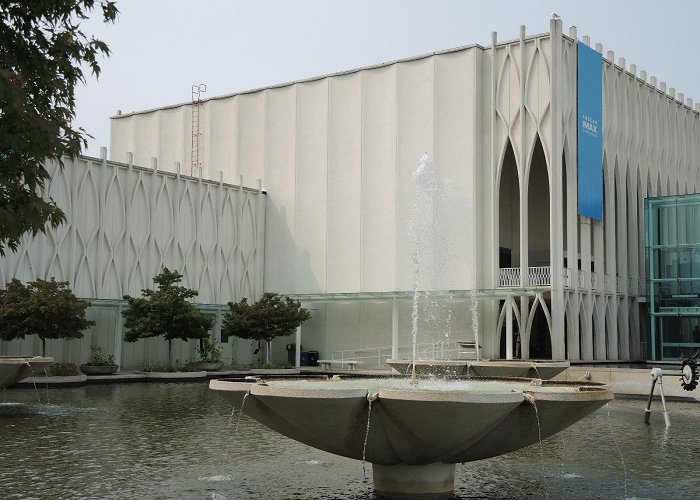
[[197, 91]]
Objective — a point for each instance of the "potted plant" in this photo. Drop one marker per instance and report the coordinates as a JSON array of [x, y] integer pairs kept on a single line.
[[270, 317], [209, 355], [48, 309], [165, 312], [99, 362]]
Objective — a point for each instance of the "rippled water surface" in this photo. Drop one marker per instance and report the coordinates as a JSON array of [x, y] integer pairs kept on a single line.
[[176, 441]]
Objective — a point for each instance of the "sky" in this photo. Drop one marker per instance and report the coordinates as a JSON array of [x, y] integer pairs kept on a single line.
[[160, 48]]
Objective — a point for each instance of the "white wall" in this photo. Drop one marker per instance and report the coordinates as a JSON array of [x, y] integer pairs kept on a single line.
[[124, 224]]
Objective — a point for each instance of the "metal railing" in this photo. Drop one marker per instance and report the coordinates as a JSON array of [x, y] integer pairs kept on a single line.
[[537, 276], [377, 356]]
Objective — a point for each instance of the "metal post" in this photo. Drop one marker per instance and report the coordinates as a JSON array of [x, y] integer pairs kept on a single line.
[[657, 376], [647, 410]]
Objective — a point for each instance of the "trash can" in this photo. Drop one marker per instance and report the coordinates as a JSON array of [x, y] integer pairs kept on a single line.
[[313, 358], [304, 359], [291, 353]]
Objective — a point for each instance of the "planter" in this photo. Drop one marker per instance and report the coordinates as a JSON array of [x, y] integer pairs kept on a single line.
[[208, 366], [99, 370]]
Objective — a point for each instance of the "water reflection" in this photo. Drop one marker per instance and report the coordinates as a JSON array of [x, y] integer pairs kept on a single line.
[[174, 441]]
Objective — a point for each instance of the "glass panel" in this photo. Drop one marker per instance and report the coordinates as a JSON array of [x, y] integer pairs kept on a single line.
[[679, 336]]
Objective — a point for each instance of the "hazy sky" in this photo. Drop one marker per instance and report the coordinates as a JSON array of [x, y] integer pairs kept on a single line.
[[160, 48]]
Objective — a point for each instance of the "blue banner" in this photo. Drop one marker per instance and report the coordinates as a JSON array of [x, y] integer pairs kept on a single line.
[[590, 132]]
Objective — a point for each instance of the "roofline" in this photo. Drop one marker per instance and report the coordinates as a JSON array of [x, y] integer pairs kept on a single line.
[[329, 75]]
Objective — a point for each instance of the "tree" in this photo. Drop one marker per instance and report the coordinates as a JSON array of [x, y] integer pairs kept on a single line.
[[42, 53], [48, 309], [165, 312], [270, 317]]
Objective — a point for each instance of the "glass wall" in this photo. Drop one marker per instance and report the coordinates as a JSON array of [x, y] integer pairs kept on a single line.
[[673, 271]]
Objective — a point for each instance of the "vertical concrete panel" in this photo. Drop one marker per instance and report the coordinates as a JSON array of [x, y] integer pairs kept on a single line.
[[311, 183], [415, 136], [121, 138], [379, 217], [171, 138], [281, 195], [223, 131], [251, 137], [454, 145], [146, 128], [344, 184]]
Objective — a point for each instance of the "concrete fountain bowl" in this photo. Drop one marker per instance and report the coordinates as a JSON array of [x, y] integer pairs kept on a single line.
[[14, 369], [415, 433], [531, 368]]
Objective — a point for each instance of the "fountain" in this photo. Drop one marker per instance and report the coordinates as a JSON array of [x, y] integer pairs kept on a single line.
[[14, 369], [414, 430]]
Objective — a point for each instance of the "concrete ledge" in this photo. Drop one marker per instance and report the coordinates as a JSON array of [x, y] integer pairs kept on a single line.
[[175, 376], [631, 381], [273, 371], [53, 381]]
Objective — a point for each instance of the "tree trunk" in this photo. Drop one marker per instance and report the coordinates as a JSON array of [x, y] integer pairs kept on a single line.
[[170, 351], [43, 346], [267, 356]]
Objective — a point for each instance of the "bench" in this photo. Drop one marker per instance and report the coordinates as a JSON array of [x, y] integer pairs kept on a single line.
[[467, 347], [326, 363]]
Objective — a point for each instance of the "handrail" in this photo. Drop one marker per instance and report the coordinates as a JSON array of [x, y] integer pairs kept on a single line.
[[536, 276]]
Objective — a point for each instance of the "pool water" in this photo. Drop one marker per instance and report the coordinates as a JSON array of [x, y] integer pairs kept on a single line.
[[176, 441]]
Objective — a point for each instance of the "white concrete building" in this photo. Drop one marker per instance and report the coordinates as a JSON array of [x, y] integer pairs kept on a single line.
[[335, 154]]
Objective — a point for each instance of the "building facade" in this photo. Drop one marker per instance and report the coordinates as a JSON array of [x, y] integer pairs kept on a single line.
[[124, 223], [336, 155]]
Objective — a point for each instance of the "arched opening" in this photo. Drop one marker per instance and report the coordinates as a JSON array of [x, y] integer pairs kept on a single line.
[[509, 212], [606, 327], [538, 209], [594, 330], [540, 339]]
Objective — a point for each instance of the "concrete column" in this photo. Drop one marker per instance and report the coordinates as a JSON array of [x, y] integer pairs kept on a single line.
[[509, 327], [297, 351], [556, 201], [118, 336], [394, 329]]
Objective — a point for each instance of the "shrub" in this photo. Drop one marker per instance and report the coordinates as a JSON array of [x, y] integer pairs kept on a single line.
[[44, 308], [165, 312], [170, 368], [270, 317], [209, 351], [98, 357], [60, 370]]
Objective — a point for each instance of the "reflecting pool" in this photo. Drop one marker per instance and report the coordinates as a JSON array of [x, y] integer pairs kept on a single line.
[[176, 441]]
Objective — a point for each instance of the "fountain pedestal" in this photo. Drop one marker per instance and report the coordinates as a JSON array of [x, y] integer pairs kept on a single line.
[[414, 481]]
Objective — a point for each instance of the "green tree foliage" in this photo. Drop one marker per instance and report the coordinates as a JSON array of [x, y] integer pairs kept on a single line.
[[270, 317], [43, 51], [48, 309], [165, 312]]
